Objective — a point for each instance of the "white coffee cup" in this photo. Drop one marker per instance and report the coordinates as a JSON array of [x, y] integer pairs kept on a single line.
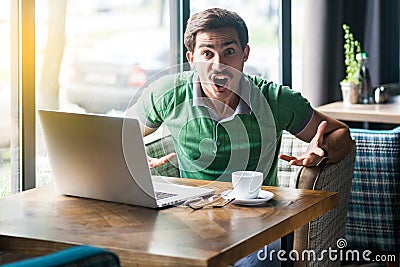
[[247, 184]]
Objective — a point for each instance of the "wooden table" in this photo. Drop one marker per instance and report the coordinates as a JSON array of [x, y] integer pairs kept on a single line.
[[39, 221], [380, 113]]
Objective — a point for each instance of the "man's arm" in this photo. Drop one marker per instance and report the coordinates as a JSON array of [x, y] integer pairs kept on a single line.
[[323, 133]]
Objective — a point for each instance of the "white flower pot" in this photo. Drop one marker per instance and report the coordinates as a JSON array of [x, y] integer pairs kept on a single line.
[[350, 93]]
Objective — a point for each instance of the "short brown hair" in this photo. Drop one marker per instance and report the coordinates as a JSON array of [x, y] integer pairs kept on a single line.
[[214, 18]]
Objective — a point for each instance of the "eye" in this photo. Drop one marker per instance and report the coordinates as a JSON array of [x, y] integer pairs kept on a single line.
[[207, 54], [229, 51]]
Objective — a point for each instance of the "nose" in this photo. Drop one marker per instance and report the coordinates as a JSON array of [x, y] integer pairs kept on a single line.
[[218, 64]]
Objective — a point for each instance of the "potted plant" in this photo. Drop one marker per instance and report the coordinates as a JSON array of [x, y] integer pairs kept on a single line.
[[350, 85]]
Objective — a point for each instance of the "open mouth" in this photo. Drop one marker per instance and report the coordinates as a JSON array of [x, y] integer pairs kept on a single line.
[[220, 81]]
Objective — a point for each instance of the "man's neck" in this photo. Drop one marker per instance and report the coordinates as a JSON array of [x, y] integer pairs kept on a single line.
[[222, 108]]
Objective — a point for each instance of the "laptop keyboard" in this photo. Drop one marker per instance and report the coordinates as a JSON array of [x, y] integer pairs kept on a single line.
[[161, 195]]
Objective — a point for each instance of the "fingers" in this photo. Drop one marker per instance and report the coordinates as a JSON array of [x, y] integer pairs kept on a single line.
[[154, 162], [306, 161], [168, 157], [294, 161]]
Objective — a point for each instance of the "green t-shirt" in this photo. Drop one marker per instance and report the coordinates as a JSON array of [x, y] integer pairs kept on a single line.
[[211, 149]]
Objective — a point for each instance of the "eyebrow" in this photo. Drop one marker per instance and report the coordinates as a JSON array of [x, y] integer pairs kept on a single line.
[[227, 43]]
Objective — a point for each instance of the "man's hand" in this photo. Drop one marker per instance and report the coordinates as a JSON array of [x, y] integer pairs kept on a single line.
[[315, 151], [154, 162]]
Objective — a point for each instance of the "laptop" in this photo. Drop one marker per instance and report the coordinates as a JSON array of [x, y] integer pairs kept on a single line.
[[103, 157]]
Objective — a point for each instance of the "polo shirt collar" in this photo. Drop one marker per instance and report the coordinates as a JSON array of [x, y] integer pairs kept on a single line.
[[244, 106]]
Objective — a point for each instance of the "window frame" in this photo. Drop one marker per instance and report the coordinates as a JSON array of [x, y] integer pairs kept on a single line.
[[23, 108]]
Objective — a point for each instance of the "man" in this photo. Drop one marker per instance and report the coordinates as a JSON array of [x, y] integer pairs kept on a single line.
[[216, 102], [222, 120]]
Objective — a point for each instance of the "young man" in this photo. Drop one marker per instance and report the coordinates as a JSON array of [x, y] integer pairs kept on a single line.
[[222, 120]]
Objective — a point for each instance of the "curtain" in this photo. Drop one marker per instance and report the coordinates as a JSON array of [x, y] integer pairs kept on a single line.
[[374, 23]]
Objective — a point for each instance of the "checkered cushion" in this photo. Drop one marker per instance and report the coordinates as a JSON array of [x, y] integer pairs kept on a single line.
[[293, 146], [160, 148], [373, 220]]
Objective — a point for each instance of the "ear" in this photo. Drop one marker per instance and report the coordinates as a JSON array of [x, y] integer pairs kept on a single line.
[[246, 53], [189, 56]]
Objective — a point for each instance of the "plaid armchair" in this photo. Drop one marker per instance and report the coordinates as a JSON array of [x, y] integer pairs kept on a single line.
[[325, 231], [373, 220], [322, 232]]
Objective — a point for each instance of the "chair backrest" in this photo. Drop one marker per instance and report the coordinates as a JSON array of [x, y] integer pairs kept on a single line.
[[373, 220], [325, 231]]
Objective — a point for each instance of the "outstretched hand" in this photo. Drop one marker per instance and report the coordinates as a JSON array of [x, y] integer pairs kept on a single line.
[[154, 162], [315, 150]]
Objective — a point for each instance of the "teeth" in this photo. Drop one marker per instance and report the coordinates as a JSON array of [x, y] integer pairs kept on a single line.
[[220, 80]]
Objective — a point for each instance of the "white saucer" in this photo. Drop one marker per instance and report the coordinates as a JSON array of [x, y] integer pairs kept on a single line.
[[263, 197]]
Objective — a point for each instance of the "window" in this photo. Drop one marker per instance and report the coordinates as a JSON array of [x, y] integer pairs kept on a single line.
[[93, 56]]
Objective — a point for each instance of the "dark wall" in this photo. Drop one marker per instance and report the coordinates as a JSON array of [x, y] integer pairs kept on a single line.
[[376, 24]]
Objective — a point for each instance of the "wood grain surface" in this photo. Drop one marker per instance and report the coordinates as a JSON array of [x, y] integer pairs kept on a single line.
[[40, 221], [380, 113]]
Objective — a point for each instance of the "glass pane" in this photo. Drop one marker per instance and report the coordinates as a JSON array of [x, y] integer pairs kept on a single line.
[[297, 43], [262, 20], [5, 100], [93, 56]]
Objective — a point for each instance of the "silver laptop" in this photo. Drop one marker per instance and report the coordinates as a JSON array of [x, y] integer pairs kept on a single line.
[[102, 157]]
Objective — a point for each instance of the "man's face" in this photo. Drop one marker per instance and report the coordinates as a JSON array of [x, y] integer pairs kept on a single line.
[[219, 59]]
